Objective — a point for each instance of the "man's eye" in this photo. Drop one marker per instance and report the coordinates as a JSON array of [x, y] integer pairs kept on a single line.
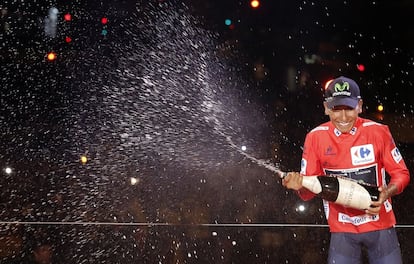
[[341, 108]]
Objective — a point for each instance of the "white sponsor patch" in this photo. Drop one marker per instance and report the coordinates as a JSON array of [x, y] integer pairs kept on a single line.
[[362, 154], [388, 206], [396, 155], [303, 164], [358, 219]]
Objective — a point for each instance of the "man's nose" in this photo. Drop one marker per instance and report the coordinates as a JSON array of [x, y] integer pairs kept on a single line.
[[342, 114]]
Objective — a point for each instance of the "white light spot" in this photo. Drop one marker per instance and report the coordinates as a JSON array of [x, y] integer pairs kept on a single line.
[[301, 208], [134, 181]]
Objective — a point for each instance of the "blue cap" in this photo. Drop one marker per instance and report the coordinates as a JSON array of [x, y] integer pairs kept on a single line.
[[342, 91]]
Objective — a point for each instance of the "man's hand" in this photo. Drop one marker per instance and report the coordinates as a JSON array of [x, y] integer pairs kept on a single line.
[[293, 180], [385, 193]]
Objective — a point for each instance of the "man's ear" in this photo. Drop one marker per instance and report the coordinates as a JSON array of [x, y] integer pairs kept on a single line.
[[325, 105], [360, 103]]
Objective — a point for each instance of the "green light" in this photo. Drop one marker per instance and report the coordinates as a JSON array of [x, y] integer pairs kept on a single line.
[[104, 32]]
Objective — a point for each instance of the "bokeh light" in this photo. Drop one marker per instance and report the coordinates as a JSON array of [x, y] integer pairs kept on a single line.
[[51, 56], [83, 159], [255, 4], [380, 108], [67, 17], [327, 83], [8, 170], [361, 67]]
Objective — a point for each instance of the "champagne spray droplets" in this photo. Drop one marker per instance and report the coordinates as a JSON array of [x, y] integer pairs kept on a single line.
[[169, 98]]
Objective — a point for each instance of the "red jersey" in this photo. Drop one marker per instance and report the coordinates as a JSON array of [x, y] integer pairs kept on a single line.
[[368, 153]]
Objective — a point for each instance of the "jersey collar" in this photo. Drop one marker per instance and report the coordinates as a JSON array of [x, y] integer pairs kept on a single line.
[[352, 131]]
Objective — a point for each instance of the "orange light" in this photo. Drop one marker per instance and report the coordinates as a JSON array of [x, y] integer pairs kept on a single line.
[[51, 56], [327, 83], [380, 108], [255, 3]]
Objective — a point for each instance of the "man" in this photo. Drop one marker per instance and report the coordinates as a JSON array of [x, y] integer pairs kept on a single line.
[[362, 150]]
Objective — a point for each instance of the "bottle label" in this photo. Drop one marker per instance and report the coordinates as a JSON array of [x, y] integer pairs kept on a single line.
[[358, 219], [367, 174], [353, 195]]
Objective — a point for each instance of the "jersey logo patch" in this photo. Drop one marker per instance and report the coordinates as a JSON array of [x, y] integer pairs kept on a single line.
[[362, 154], [329, 151], [358, 219], [303, 164], [396, 155]]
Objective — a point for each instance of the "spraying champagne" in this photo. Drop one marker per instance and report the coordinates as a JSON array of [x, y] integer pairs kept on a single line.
[[341, 190]]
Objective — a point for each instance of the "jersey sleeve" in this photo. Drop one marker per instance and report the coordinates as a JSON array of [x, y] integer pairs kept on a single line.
[[394, 163], [309, 163]]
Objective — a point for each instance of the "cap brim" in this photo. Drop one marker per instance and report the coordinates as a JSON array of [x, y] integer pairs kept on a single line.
[[347, 101]]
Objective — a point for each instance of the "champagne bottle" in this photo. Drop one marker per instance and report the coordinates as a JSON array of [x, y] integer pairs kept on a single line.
[[341, 190]]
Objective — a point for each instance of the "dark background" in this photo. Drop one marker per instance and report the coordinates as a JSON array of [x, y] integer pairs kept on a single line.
[[197, 199]]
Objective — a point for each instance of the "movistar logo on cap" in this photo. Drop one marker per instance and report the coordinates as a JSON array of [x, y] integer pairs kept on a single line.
[[341, 89]]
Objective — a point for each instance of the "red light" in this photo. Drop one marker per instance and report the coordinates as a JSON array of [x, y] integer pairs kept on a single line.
[[360, 67], [255, 3], [68, 39], [68, 17], [104, 20], [51, 56]]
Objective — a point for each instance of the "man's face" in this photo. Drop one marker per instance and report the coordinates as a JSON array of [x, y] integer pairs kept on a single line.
[[343, 117]]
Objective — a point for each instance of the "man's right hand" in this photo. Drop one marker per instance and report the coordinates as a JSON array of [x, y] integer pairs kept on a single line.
[[293, 180]]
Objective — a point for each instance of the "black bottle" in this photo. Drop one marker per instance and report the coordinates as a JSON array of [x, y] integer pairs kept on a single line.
[[342, 190]]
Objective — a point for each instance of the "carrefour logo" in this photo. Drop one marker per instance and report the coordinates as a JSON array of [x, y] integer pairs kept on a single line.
[[362, 154], [396, 155], [341, 89], [303, 164]]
